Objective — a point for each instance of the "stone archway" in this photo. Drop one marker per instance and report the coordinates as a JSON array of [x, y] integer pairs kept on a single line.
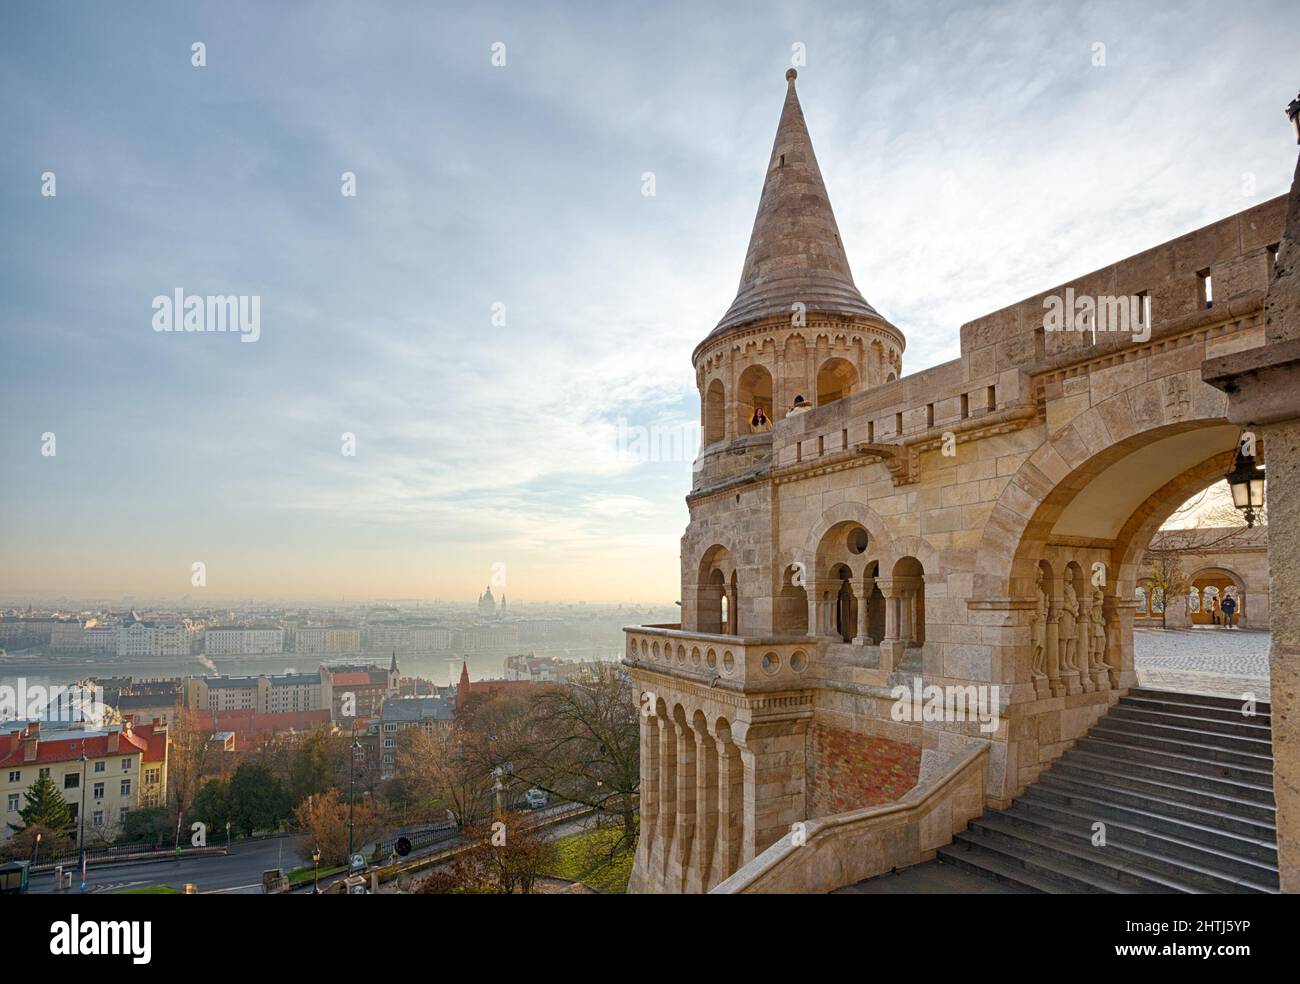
[[714, 605], [1085, 494], [836, 379], [1221, 581]]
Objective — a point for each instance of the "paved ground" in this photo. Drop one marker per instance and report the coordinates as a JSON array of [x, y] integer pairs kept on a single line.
[[241, 872], [931, 878], [1204, 660]]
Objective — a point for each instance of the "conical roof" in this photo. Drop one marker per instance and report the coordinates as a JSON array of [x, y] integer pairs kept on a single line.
[[795, 253]]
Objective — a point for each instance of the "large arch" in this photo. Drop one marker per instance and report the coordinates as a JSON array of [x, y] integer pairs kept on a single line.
[[1084, 483]]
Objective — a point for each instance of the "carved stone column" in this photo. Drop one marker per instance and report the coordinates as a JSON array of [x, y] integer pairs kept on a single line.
[[730, 811], [891, 648], [684, 833], [706, 810], [863, 637], [666, 819]]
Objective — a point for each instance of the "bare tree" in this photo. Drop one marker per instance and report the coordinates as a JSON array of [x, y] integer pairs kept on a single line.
[[437, 769], [187, 759], [323, 817], [586, 745], [1166, 575]]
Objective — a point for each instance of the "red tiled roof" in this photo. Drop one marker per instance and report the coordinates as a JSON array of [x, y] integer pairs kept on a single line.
[[156, 740], [67, 747], [351, 679]]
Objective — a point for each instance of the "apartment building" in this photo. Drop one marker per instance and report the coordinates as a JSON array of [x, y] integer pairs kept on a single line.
[[125, 768], [263, 694], [143, 638], [243, 640], [327, 639]]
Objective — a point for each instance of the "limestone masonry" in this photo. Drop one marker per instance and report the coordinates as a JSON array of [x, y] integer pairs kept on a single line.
[[981, 525]]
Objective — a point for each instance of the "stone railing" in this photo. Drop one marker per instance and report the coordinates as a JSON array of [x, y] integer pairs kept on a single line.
[[831, 852], [729, 662]]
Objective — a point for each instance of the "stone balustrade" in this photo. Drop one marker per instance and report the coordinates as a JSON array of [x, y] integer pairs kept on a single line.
[[726, 661]]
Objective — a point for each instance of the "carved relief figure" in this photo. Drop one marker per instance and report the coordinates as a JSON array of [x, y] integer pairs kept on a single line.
[[1098, 620], [1038, 667], [1069, 628]]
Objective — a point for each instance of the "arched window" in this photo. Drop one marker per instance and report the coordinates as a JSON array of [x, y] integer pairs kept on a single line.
[[754, 390], [909, 596], [792, 603], [715, 410], [836, 379]]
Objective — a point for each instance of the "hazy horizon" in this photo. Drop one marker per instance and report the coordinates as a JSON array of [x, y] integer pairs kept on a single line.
[[500, 301]]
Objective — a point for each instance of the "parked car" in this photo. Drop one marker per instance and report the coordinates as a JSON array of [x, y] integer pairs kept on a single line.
[[535, 799]]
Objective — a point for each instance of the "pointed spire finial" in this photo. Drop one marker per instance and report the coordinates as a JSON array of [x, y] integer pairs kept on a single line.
[[796, 260]]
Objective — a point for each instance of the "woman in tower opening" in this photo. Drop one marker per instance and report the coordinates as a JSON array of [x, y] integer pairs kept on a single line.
[[759, 421]]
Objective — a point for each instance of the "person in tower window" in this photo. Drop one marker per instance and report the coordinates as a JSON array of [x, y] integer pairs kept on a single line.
[[759, 421], [800, 405]]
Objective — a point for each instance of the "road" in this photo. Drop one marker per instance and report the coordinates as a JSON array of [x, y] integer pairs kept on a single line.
[[240, 872]]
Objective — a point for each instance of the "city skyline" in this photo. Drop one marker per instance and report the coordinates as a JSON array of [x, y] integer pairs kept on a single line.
[[487, 350]]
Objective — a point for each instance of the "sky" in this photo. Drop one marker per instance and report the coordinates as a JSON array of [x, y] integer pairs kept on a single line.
[[501, 306]]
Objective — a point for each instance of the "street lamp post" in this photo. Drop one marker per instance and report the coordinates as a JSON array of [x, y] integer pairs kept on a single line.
[[315, 860], [352, 765], [81, 817]]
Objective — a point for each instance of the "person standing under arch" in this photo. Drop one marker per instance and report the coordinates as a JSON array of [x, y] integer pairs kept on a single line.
[[1229, 609]]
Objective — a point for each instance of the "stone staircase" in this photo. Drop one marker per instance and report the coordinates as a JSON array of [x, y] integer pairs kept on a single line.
[[1184, 786]]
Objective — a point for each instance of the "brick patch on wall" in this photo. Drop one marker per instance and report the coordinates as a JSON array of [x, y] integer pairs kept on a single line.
[[848, 770]]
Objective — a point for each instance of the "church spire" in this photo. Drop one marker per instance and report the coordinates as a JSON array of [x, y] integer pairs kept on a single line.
[[795, 254]]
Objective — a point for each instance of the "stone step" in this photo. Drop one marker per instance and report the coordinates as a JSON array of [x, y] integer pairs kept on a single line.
[[1179, 792], [1164, 732], [1220, 853], [1200, 700], [1114, 750], [1108, 792], [1107, 730], [1175, 774], [1242, 727], [1197, 710], [1133, 866], [1019, 859], [1262, 849], [987, 865]]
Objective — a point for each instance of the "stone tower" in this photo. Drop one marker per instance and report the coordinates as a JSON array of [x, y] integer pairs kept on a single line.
[[798, 326]]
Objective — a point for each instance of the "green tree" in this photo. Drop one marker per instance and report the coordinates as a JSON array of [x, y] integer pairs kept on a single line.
[[151, 825], [212, 804], [45, 807], [257, 799], [315, 764]]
